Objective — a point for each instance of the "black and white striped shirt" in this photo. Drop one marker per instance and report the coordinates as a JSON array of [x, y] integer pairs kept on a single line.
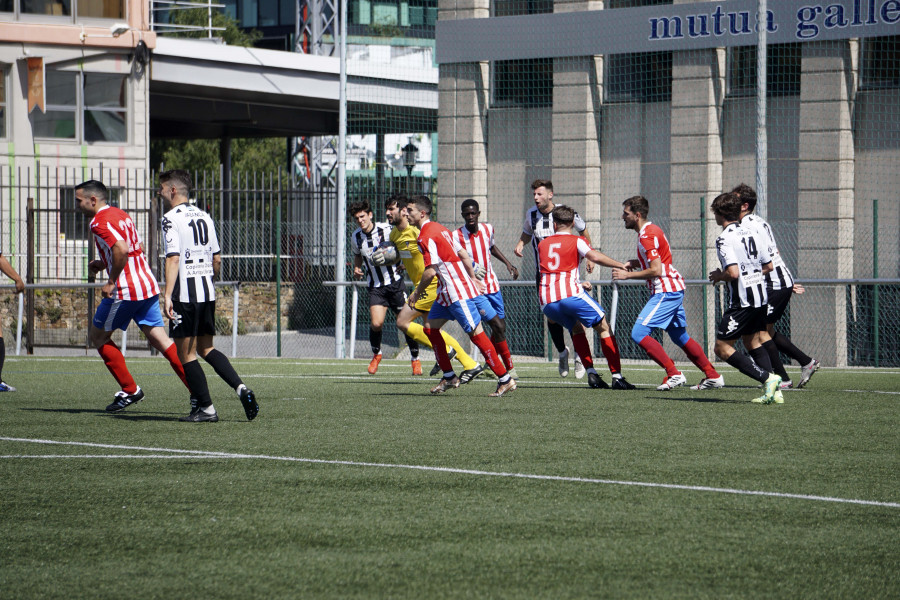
[[364, 244], [190, 234], [540, 226], [780, 277], [741, 246]]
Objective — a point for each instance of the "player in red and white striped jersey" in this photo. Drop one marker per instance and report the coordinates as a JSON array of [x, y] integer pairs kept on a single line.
[[458, 296], [563, 297], [130, 294], [478, 240], [665, 309]]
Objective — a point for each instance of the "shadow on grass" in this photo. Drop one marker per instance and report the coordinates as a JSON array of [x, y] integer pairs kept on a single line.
[[706, 399]]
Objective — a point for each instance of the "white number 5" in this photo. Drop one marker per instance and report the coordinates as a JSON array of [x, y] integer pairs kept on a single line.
[[553, 253]]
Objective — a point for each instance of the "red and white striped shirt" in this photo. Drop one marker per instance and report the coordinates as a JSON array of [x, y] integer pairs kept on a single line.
[[559, 256], [652, 244], [439, 250], [479, 245], [136, 281]]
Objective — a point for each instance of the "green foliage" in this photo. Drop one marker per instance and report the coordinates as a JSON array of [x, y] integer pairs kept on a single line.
[[233, 35]]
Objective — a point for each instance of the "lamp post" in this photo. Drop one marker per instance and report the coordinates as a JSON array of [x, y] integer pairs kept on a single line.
[[410, 154]]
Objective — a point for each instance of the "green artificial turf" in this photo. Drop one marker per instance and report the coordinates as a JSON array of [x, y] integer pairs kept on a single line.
[[353, 486]]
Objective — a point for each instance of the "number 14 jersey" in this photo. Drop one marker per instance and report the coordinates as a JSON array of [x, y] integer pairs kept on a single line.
[[190, 234]]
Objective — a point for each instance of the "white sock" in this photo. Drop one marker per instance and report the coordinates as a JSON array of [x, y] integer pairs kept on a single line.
[[209, 409], [240, 389]]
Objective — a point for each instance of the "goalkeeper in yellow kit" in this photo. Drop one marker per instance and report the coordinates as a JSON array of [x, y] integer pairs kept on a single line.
[[403, 236]]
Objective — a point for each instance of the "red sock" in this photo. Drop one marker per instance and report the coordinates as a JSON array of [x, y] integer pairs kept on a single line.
[[655, 350], [611, 352], [440, 349], [115, 362], [582, 349], [503, 351], [172, 355], [698, 357], [490, 353]]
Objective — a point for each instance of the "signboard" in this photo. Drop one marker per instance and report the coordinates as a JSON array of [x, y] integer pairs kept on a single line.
[[36, 87]]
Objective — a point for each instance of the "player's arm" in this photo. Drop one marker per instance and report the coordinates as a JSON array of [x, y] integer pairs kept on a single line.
[[476, 275], [730, 273], [119, 260], [768, 267], [217, 266], [653, 271], [495, 251], [602, 259], [588, 266], [357, 266], [172, 263], [11, 273], [427, 275], [520, 245]]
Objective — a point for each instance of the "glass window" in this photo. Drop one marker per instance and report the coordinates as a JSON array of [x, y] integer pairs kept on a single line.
[[62, 8], [881, 62], [638, 77], [2, 102], [105, 105], [782, 70], [527, 82], [92, 107], [61, 94], [101, 9], [7, 6]]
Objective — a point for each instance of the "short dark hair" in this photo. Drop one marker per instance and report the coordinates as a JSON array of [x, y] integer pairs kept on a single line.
[[727, 205], [544, 183], [423, 203], [563, 215], [358, 206], [399, 199], [178, 176], [469, 203], [747, 195], [638, 205], [94, 188]]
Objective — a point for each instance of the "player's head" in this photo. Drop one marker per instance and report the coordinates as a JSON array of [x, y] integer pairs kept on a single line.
[[395, 208], [470, 212], [361, 212], [543, 194], [747, 195], [727, 208], [419, 209], [635, 209], [563, 217], [175, 186], [91, 196]]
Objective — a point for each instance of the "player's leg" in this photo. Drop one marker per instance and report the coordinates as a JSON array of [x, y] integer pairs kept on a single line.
[[498, 330], [679, 335], [657, 313], [112, 315], [149, 318], [202, 409], [778, 303], [737, 323], [437, 316], [762, 350], [377, 313], [397, 304], [611, 353], [4, 387]]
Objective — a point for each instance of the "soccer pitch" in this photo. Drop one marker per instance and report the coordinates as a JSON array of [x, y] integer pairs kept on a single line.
[[356, 486]]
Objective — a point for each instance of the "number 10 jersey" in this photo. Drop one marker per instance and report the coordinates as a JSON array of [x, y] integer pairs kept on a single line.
[[191, 235]]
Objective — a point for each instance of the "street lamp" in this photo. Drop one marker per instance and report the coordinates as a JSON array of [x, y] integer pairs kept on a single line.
[[410, 154]]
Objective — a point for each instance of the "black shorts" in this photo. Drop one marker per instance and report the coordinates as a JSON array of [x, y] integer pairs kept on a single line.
[[392, 295], [193, 319], [741, 321], [778, 301]]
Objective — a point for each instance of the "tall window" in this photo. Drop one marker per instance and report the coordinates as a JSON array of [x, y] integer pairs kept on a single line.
[[782, 70], [94, 9], [88, 107], [2, 102], [638, 77], [522, 82], [881, 62]]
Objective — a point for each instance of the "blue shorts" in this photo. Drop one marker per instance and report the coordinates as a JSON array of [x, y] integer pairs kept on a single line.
[[663, 311], [117, 314], [581, 308], [496, 300], [468, 313]]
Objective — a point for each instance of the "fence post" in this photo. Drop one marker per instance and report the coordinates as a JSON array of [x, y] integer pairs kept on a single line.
[[21, 299], [354, 308], [278, 268], [29, 277], [876, 302], [234, 320]]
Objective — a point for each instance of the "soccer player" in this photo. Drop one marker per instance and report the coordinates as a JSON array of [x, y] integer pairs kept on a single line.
[[563, 297], [458, 296], [780, 286], [745, 259], [537, 226], [404, 237], [386, 287], [665, 309], [478, 240], [130, 293], [10, 272], [192, 262]]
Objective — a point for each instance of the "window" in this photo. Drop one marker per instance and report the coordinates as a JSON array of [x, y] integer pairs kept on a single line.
[[92, 9], [638, 77], [782, 70], [880, 62], [2, 102], [522, 82], [6, 6], [60, 8], [73, 223], [91, 107], [635, 3]]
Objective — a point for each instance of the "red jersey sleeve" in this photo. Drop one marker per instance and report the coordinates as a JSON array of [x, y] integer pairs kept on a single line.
[[650, 245]]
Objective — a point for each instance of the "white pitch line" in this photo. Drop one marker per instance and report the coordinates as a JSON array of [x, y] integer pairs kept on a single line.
[[181, 456], [874, 392], [349, 463]]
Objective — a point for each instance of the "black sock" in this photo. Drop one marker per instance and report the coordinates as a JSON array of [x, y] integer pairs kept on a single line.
[[413, 347], [775, 359], [785, 345], [196, 379], [223, 368], [556, 334], [745, 365], [3, 356], [761, 357], [375, 341]]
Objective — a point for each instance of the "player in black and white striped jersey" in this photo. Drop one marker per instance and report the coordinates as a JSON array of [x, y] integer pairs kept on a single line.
[[386, 286], [780, 287], [192, 263], [745, 258]]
